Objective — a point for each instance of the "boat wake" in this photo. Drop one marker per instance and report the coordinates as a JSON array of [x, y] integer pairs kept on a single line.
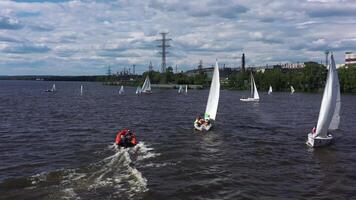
[[112, 177]]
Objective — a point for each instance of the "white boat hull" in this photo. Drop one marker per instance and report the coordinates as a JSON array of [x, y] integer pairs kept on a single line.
[[202, 127], [319, 141], [250, 99]]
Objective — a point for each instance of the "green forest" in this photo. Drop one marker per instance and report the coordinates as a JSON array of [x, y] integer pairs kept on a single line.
[[311, 78]]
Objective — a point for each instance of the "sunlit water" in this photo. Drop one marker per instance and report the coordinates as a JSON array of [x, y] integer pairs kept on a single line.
[[60, 145]]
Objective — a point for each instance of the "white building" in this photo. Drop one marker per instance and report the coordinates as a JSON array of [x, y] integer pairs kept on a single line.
[[350, 58]]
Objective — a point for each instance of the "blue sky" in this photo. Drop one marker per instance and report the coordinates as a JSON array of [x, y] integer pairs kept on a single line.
[[84, 37]]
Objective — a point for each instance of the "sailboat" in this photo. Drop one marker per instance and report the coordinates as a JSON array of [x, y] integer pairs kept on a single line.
[[146, 87], [138, 90], [180, 90], [213, 101], [81, 89], [329, 115], [51, 90], [186, 89], [121, 91], [254, 92], [270, 90], [292, 90]]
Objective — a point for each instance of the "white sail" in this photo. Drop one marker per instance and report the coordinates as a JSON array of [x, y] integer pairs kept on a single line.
[[138, 90], [146, 87], [292, 90], [270, 90], [214, 93], [121, 91], [186, 89], [54, 88], [329, 101], [334, 124], [180, 89], [81, 89], [255, 92]]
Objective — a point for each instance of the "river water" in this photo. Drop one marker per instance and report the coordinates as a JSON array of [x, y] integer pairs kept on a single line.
[[61, 145]]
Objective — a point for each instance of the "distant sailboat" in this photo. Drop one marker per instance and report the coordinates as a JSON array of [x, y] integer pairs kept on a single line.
[[329, 115], [81, 89], [121, 91], [53, 89], [292, 90], [146, 87], [213, 101], [186, 89], [180, 90], [254, 92], [270, 90], [138, 90]]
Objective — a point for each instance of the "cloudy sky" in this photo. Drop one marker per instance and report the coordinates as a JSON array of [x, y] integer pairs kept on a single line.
[[84, 37]]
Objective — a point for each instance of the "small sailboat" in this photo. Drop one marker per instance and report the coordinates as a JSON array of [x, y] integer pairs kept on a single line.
[[212, 104], [270, 90], [53, 89], [329, 115], [81, 89], [121, 91], [138, 90], [186, 89], [254, 92], [292, 90], [146, 87], [180, 90]]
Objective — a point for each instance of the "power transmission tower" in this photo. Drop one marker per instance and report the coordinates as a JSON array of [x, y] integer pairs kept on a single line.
[[164, 45], [109, 71], [150, 67], [326, 58]]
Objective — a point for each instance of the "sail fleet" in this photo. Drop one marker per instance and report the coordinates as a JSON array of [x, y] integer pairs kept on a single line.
[[329, 114]]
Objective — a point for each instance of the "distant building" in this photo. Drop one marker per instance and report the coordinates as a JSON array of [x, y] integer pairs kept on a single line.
[[293, 65], [223, 71], [350, 58]]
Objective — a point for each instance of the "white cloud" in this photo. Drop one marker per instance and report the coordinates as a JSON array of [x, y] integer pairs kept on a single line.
[[83, 37]]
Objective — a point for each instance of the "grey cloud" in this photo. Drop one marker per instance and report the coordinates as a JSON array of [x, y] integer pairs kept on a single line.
[[9, 23], [26, 48], [334, 11]]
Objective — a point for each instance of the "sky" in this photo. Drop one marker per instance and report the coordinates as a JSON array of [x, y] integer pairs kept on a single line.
[[84, 37]]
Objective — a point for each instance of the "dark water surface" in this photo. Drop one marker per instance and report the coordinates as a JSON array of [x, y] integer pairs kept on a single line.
[[60, 145]]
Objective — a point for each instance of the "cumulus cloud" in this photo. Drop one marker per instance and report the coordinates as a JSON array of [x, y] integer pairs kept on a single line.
[[85, 36]]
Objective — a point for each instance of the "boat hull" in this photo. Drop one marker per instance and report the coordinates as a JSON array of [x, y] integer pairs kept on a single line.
[[250, 99], [202, 127], [146, 92], [319, 141]]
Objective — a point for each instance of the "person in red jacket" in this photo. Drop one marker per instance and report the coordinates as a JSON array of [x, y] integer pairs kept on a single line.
[[126, 138]]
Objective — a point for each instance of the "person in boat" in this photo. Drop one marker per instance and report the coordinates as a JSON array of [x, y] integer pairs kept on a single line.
[[126, 138], [313, 130], [198, 121]]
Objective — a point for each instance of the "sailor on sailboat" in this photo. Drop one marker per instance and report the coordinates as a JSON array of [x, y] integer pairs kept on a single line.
[[270, 90], [292, 90], [138, 90], [121, 91], [329, 115], [146, 87], [212, 104], [254, 92], [51, 90]]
